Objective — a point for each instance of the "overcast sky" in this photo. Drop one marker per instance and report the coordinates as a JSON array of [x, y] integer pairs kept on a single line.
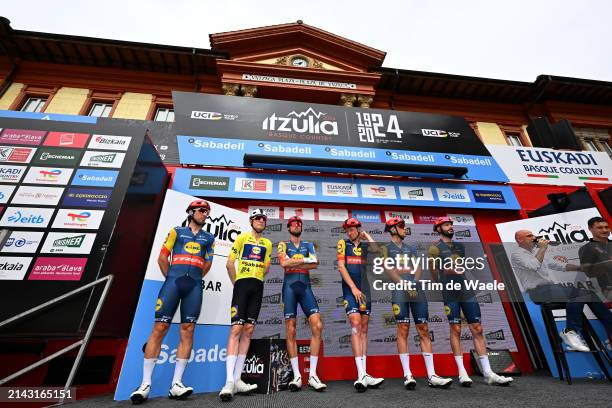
[[516, 40]]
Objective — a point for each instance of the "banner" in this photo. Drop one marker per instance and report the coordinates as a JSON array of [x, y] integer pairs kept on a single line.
[[239, 184], [534, 165], [569, 230], [206, 371], [232, 126]]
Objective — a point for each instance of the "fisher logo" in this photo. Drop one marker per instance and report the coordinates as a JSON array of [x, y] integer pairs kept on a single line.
[[27, 217], [309, 122], [14, 268], [439, 133], [109, 142], [222, 228], [253, 365], [95, 178], [209, 183], [339, 189], [248, 185], [16, 154], [23, 241], [78, 219], [11, 174], [416, 193], [62, 242], [453, 194], [102, 159], [495, 335], [564, 233]]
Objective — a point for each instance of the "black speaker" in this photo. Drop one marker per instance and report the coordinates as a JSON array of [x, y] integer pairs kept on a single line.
[[565, 135], [541, 134], [501, 362]]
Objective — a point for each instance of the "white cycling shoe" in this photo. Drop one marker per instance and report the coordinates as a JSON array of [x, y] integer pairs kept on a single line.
[[141, 394], [179, 391], [316, 384], [240, 387], [495, 379], [295, 384], [227, 392]]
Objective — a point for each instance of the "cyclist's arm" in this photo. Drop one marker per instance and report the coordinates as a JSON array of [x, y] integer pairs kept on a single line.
[[268, 257], [166, 250], [284, 259], [208, 258], [233, 255]]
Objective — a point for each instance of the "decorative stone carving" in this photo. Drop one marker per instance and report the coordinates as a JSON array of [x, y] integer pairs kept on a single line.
[[347, 99], [230, 89], [249, 90], [364, 101]]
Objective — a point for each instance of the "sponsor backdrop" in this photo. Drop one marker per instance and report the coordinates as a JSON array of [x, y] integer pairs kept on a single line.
[[532, 165], [236, 184], [232, 126], [206, 371], [62, 183], [571, 230]]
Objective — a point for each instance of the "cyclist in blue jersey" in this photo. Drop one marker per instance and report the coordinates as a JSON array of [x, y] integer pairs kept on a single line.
[[458, 301], [191, 250], [412, 299], [352, 262], [298, 257]]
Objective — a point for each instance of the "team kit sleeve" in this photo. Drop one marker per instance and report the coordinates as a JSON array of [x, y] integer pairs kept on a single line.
[[169, 242], [341, 250], [312, 253], [282, 250], [210, 250], [238, 243], [268, 257]]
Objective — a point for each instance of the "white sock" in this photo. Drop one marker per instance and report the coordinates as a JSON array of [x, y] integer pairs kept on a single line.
[[239, 366], [365, 370], [459, 361], [313, 365], [179, 369], [230, 363], [359, 364], [486, 367], [429, 364], [147, 370], [405, 364], [295, 366]]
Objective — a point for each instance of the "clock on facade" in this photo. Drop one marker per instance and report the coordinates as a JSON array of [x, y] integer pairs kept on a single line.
[[301, 62]]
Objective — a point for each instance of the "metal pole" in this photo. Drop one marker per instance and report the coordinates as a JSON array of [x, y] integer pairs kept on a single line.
[[85, 340]]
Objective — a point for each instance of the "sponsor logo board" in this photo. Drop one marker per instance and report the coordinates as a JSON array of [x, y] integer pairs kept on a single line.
[[102, 159], [78, 219], [87, 197], [108, 142], [95, 178], [339, 189], [378, 191], [37, 195], [23, 217], [249, 185], [68, 243], [70, 269], [201, 182], [65, 139], [48, 175], [416, 193], [453, 195], [13, 267], [11, 174], [23, 241], [56, 157], [22, 136], [5, 193], [16, 154], [296, 187]]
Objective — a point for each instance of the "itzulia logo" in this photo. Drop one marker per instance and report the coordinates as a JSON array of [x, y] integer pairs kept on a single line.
[[253, 365], [82, 216], [309, 121], [564, 233], [18, 218], [222, 228]]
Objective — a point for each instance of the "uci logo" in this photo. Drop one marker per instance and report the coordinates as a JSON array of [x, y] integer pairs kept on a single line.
[[192, 247], [158, 305], [234, 311], [396, 310], [357, 251]]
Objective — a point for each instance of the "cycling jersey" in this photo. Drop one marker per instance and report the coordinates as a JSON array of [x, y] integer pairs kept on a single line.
[[289, 250], [355, 260], [183, 281], [253, 256], [296, 285], [189, 251], [403, 302], [455, 301]]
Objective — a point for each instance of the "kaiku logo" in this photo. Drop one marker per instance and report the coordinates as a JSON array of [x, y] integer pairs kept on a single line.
[[564, 233], [310, 121]]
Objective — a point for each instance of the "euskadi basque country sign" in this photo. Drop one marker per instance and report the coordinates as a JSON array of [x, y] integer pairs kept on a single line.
[[532, 165], [239, 184], [219, 130]]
